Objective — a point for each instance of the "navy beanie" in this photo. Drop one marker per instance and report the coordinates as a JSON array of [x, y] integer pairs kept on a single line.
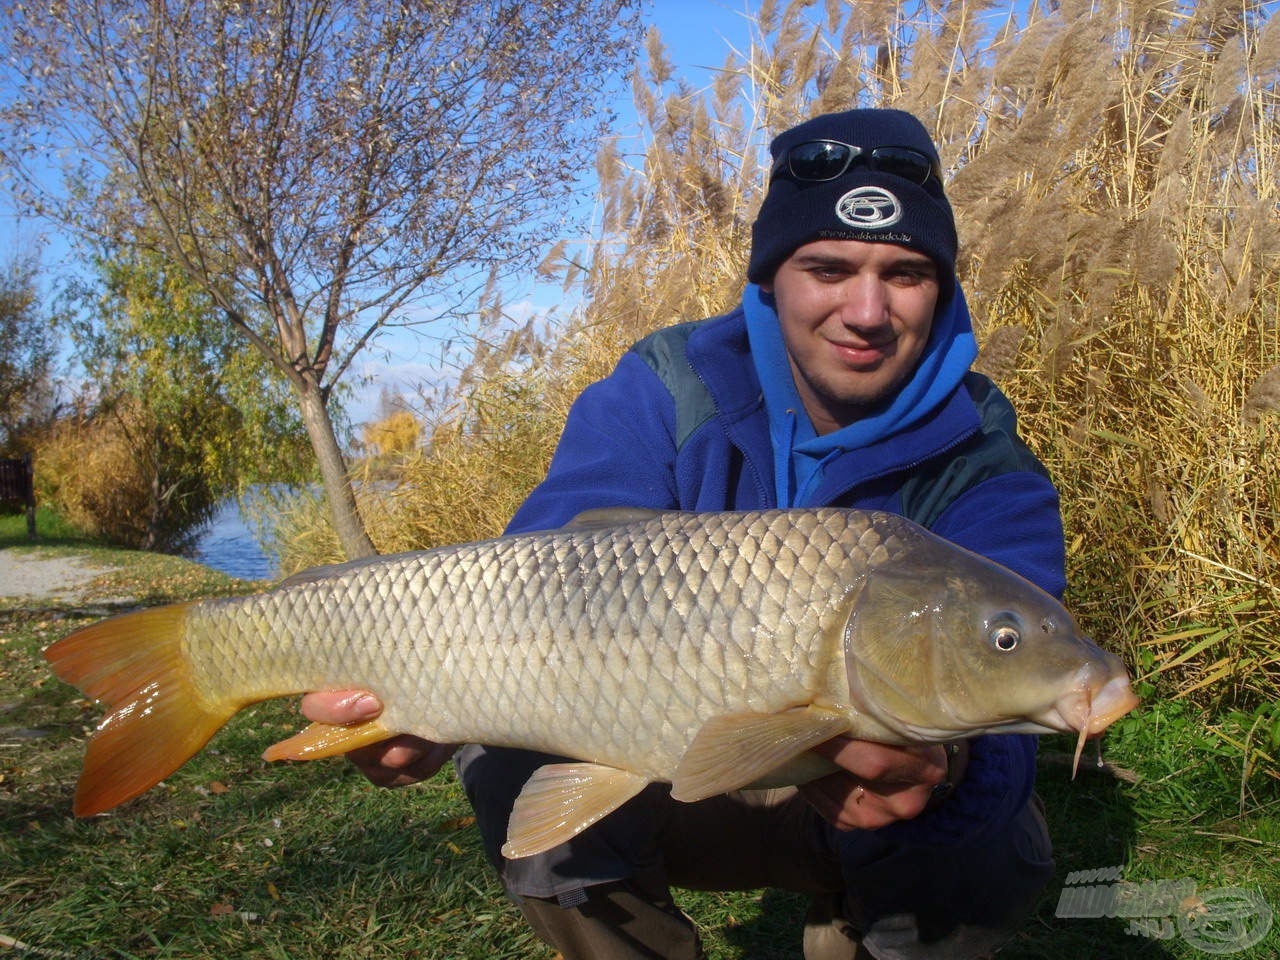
[[860, 204]]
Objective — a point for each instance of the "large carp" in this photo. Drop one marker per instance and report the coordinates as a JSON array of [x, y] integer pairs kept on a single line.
[[710, 650]]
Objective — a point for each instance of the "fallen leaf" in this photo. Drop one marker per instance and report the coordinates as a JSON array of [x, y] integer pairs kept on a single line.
[[221, 910], [272, 891], [217, 786], [1191, 906], [458, 823]]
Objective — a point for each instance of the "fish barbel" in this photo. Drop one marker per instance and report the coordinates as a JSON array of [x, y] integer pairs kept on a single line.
[[710, 650]]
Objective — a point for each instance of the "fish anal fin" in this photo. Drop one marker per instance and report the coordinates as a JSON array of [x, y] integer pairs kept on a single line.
[[747, 749], [322, 740], [561, 800], [157, 718]]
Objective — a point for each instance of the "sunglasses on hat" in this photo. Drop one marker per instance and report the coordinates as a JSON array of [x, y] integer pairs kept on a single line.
[[818, 160]]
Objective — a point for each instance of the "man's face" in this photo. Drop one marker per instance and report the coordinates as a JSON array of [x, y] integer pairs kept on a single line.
[[855, 319]]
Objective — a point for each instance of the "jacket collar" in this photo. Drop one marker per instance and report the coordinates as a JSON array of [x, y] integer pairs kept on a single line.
[[720, 355]]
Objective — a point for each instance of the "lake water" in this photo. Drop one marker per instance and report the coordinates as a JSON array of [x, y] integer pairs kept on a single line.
[[228, 544]]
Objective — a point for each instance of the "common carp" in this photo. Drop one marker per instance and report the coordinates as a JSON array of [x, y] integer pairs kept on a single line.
[[710, 650]]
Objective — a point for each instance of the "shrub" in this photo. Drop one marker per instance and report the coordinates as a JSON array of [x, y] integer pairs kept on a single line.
[[107, 475]]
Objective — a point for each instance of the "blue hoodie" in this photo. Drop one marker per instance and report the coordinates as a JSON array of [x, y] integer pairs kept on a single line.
[[800, 454]]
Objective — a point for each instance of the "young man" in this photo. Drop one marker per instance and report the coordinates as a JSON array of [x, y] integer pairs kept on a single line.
[[842, 379]]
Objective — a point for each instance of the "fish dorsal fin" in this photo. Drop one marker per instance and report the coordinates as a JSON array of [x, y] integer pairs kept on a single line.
[[327, 572], [334, 570], [605, 517], [738, 749], [322, 740], [561, 800]]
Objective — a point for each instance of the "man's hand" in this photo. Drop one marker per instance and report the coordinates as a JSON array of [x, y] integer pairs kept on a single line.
[[880, 784], [397, 762]]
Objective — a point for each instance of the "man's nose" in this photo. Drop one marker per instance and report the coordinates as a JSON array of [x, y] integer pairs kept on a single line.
[[864, 304]]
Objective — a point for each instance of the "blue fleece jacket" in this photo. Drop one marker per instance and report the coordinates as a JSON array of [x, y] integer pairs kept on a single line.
[[681, 424]]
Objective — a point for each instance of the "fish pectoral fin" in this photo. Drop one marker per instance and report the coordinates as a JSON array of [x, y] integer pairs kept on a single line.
[[805, 768], [322, 740], [738, 749], [561, 800]]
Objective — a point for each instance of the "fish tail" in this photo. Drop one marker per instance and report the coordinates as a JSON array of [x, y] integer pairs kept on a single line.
[[157, 720]]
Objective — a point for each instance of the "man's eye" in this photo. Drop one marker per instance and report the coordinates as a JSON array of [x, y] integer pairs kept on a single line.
[[911, 278]]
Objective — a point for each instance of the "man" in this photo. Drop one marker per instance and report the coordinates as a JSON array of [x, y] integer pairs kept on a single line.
[[842, 379]]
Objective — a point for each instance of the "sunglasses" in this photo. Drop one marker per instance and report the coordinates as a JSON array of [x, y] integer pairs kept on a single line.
[[818, 160]]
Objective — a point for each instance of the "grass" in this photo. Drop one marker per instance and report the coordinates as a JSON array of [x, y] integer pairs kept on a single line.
[[51, 530], [233, 857]]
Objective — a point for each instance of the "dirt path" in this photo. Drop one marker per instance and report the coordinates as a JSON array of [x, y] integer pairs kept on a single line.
[[23, 574]]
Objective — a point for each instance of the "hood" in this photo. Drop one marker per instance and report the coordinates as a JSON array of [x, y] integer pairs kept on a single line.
[[799, 452]]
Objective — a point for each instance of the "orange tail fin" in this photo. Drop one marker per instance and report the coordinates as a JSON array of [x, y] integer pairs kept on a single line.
[[158, 719]]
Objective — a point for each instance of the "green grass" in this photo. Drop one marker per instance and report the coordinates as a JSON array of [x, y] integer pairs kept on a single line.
[[51, 529], [233, 857]]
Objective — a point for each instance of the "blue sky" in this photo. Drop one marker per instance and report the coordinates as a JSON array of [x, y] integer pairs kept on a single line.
[[697, 33]]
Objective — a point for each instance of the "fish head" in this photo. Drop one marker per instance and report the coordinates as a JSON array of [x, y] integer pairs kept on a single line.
[[947, 644]]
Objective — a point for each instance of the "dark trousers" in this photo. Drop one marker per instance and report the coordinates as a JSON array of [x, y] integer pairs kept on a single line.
[[606, 894]]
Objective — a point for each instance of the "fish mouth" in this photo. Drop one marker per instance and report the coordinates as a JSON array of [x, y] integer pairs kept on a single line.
[[1090, 709], [1112, 702]]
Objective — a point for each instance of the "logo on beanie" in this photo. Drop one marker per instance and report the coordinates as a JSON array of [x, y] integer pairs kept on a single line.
[[869, 208]]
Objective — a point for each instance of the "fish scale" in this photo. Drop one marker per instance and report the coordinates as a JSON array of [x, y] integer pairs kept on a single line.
[[646, 590], [709, 650]]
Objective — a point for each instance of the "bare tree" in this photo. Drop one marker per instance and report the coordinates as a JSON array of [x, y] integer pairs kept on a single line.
[[323, 168]]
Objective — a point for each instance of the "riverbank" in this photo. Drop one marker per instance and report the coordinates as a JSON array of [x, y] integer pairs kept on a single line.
[[62, 557], [64, 566], [85, 578]]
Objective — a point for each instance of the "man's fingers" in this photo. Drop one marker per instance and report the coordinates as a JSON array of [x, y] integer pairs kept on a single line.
[[849, 804], [340, 707], [878, 784], [885, 765], [395, 762], [401, 760]]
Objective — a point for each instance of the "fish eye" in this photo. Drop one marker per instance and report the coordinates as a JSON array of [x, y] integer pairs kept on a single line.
[[1005, 638]]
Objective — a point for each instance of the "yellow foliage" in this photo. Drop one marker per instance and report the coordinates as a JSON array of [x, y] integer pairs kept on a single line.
[[87, 472], [395, 435]]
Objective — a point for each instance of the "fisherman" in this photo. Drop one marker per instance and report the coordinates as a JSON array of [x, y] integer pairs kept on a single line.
[[841, 379]]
